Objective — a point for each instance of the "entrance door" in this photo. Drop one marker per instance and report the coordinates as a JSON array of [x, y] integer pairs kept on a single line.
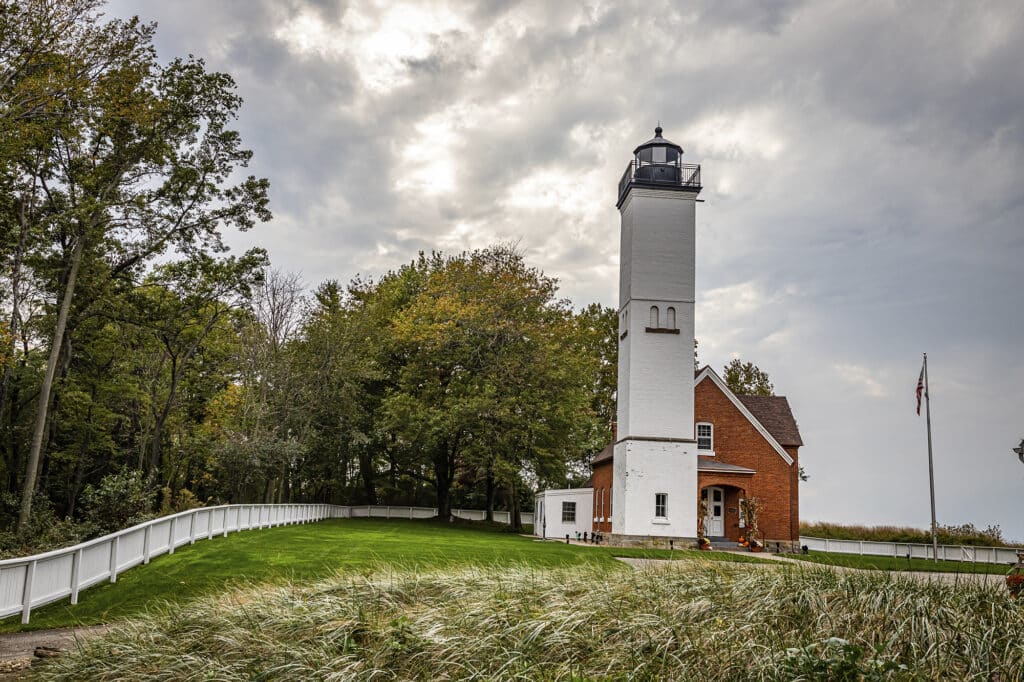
[[714, 522]]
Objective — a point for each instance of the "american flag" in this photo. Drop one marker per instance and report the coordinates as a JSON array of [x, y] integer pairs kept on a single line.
[[920, 390]]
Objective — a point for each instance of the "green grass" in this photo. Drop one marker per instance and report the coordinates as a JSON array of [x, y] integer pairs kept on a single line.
[[315, 551], [702, 621], [888, 563]]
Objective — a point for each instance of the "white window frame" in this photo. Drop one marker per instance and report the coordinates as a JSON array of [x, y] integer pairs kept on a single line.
[[709, 451], [655, 317], [670, 318], [661, 500], [568, 506]]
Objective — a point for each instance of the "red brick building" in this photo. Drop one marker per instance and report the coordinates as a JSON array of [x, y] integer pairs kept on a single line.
[[747, 447]]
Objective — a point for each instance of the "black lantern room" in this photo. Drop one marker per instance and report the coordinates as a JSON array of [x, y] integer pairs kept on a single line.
[[658, 160], [659, 163]]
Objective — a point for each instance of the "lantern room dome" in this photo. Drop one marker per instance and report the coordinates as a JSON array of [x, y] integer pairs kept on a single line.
[[658, 141]]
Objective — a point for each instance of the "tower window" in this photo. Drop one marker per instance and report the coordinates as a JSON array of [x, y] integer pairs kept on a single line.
[[654, 317], [705, 436], [670, 318], [568, 512], [660, 505]]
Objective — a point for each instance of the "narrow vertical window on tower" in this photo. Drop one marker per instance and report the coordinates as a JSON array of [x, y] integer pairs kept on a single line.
[[670, 318], [660, 505], [654, 317]]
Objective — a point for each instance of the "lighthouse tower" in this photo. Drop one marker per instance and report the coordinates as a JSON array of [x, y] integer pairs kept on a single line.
[[654, 489]]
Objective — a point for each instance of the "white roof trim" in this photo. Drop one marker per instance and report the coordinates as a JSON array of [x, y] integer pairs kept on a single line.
[[706, 373]]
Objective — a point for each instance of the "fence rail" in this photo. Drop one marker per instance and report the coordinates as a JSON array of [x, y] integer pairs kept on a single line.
[[29, 582], [967, 553]]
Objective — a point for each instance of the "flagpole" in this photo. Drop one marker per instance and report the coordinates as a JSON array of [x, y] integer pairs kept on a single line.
[[931, 466]]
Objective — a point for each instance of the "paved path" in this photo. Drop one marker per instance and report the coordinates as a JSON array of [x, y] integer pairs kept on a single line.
[[924, 576], [16, 648]]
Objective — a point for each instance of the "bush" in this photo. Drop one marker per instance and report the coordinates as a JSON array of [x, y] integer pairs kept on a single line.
[[966, 534], [44, 532], [119, 501]]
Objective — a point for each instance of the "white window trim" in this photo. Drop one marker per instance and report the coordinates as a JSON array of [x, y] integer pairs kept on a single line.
[[710, 452], [665, 505]]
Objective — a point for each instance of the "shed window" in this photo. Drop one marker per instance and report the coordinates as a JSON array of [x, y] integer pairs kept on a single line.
[[705, 436], [660, 505], [568, 512]]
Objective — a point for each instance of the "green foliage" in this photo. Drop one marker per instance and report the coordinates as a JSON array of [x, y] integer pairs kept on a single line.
[[965, 534], [118, 501], [746, 378]]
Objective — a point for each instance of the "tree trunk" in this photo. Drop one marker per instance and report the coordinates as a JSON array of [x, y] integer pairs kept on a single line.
[[444, 470], [517, 520], [369, 476], [42, 410], [489, 491], [5, 380]]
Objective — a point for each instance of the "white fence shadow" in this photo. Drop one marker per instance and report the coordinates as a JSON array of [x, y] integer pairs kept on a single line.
[[29, 582]]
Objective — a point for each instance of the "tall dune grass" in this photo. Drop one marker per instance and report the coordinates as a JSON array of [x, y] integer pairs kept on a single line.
[[692, 620], [966, 534]]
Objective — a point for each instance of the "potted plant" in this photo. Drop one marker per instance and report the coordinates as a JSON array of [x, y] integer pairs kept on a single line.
[[702, 511], [752, 507]]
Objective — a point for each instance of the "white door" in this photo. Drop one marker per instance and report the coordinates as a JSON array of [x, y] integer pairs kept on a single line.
[[714, 522]]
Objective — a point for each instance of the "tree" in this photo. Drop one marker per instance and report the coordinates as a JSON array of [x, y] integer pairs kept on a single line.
[[491, 379], [746, 378], [120, 160]]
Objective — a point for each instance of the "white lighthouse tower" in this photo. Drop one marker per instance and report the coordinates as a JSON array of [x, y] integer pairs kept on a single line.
[[654, 489]]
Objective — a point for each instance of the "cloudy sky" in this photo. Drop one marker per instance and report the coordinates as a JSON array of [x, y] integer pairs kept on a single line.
[[863, 166]]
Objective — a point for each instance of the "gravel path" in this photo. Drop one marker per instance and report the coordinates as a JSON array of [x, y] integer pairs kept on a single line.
[[17, 648]]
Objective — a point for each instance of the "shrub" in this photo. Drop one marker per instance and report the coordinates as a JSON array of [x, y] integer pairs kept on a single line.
[[966, 534], [120, 500]]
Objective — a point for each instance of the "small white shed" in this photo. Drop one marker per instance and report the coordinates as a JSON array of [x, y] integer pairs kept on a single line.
[[558, 513]]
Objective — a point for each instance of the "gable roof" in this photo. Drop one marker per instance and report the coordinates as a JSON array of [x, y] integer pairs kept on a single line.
[[708, 373], [774, 413]]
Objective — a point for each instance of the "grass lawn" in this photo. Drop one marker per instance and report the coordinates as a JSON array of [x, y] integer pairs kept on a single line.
[[316, 551], [888, 563]]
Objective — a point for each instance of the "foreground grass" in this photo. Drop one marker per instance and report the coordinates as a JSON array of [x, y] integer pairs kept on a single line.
[[314, 551], [884, 563], [693, 621]]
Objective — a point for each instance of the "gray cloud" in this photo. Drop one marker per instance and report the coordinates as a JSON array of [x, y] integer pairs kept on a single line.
[[863, 164]]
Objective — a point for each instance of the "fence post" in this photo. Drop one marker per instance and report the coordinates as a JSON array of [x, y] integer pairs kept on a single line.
[[113, 558], [826, 544], [192, 528], [145, 543], [174, 534], [76, 564], [227, 511], [861, 547], [209, 524], [26, 594]]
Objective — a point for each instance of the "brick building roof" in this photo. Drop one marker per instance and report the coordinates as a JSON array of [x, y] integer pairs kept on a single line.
[[775, 415]]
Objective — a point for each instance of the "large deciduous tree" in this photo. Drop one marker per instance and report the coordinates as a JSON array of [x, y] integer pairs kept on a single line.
[[113, 159]]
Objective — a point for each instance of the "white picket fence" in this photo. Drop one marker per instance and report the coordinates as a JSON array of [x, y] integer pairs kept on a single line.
[[387, 512], [981, 555], [29, 582]]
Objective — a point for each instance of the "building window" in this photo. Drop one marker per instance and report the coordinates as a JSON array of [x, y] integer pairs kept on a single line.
[[670, 318], [705, 436], [568, 512], [654, 317], [743, 514], [660, 505]]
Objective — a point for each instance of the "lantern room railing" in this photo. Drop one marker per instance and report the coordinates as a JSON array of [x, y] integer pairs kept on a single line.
[[668, 175]]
